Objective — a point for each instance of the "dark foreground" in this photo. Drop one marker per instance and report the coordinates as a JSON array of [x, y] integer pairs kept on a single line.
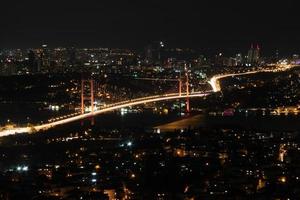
[[123, 163]]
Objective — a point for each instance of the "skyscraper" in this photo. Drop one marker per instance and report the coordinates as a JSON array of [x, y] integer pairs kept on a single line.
[[253, 55], [256, 54], [32, 62], [45, 58], [239, 59], [149, 54], [71, 57], [154, 53]]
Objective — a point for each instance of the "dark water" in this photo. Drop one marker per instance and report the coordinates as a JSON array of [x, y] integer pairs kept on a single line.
[[259, 123], [171, 122], [143, 120], [23, 113], [35, 113]]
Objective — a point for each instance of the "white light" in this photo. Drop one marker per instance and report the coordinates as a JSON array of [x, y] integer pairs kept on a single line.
[[94, 174], [25, 168], [19, 168], [162, 44], [94, 180], [129, 144]]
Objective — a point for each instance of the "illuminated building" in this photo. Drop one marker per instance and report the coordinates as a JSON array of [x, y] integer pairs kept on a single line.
[[45, 58], [32, 62], [253, 55]]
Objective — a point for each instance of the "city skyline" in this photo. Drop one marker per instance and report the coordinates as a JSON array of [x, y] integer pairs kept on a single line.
[[145, 100]]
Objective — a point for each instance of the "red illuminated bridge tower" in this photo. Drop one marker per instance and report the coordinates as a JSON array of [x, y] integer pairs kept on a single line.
[[87, 96], [187, 86]]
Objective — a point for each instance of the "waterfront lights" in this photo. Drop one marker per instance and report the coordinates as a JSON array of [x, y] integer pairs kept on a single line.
[[25, 168], [22, 168], [129, 144]]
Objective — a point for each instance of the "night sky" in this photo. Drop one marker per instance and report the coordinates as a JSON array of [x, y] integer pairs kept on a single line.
[[222, 24]]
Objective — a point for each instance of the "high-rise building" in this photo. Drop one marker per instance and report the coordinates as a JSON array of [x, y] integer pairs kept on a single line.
[[253, 55], [149, 54], [220, 60], [71, 57], [239, 59], [32, 62], [256, 54], [154, 53], [231, 62], [45, 58]]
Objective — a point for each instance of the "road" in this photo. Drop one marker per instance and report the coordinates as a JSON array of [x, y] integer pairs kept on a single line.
[[108, 108], [214, 82]]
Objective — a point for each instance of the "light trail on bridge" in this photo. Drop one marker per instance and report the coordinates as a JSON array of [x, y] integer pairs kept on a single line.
[[214, 82], [106, 109]]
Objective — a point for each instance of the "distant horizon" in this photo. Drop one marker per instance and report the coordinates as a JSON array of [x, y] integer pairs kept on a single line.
[[206, 50]]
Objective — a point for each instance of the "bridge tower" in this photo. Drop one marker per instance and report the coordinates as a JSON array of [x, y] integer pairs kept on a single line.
[[87, 95], [179, 86], [187, 89]]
